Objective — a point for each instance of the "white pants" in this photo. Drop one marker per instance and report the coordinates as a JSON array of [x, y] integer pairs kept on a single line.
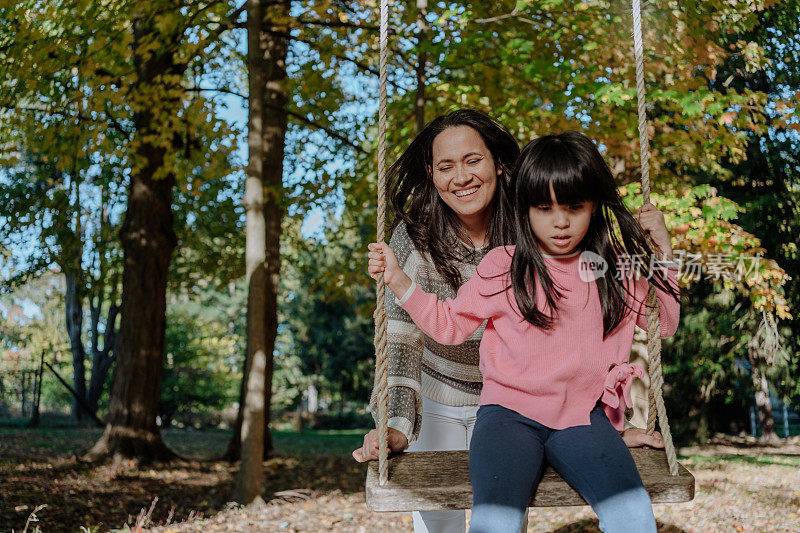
[[444, 427]]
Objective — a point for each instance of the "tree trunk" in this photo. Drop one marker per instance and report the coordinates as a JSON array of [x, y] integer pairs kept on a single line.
[[148, 239], [72, 247], [274, 141], [74, 324], [763, 404], [102, 359], [37, 398], [24, 390], [266, 140], [234, 451], [249, 477], [761, 392]]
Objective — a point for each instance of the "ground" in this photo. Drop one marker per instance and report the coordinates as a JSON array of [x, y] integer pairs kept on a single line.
[[313, 485]]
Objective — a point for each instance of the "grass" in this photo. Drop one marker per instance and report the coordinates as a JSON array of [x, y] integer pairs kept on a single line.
[[66, 441], [318, 442], [791, 460]]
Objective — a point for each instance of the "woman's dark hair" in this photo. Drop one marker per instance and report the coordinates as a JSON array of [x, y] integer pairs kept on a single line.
[[432, 225], [578, 173]]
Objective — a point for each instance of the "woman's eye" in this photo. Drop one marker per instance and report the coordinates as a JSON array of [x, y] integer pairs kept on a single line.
[[474, 161], [576, 207], [543, 207], [444, 169]]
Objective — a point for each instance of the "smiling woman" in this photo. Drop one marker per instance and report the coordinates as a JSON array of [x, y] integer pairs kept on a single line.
[[449, 197]]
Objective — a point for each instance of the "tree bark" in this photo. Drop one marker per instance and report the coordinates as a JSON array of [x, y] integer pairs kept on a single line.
[[148, 240], [72, 248], [263, 197], [763, 404], [266, 140], [275, 123], [74, 323], [102, 358], [249, 477]]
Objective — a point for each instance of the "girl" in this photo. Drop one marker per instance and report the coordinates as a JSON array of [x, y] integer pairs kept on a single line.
[[560, 308]]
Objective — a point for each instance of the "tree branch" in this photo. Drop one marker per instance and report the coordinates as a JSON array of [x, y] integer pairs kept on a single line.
[[498, 18], [336, 135], [340, 24], [363, 66], [332, 133], [215, 89], [113, 122]]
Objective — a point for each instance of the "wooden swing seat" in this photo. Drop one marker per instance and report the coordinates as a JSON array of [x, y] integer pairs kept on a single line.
[[430, 481]]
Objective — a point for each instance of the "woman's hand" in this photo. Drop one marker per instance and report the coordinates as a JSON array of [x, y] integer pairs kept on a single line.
[[652, 222], [382, 259], [636, 437], [370, 450]]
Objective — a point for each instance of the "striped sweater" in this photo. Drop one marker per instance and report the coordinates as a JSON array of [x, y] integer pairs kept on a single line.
[[418, 365]]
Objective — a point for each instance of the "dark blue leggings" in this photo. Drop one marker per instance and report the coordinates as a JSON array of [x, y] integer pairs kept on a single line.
[[506, 457]]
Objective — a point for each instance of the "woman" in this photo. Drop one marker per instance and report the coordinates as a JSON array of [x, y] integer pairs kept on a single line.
[[449, 194]]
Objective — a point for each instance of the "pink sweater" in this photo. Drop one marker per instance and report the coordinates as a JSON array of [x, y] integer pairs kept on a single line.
[[552, 376]]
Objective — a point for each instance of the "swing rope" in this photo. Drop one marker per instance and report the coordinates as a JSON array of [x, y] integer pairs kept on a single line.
[[381, 357], [655, 397]]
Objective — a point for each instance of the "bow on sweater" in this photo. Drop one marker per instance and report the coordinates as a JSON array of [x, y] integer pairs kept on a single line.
[[618, 384]]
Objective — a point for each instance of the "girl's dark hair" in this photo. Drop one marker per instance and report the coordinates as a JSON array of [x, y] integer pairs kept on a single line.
[[573, 165], [432, 226]]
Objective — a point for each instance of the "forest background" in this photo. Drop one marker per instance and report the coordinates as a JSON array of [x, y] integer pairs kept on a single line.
[[127, 147]]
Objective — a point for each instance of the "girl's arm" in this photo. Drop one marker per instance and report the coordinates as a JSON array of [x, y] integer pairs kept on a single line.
[[669, 308], [652, 222], [447, 322]]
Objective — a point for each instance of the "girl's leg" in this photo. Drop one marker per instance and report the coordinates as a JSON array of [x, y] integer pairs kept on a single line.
[[596, 462], [470, 413], [505, 463], [443, 428]]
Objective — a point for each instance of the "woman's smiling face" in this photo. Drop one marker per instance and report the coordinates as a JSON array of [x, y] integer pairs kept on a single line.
[[464, 173]]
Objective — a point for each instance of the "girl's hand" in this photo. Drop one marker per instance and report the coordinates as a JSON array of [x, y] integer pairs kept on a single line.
[[371, 447], [652, 222], [382, 259], [636, 437]]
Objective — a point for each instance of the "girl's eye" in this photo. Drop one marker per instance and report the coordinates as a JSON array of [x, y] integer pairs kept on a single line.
[[444, 169], [542, 207], [474, 161], [576, 207]]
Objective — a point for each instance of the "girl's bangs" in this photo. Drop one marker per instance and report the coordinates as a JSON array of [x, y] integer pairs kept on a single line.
[[554, 164]]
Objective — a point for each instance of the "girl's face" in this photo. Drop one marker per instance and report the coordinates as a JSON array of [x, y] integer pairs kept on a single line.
[[560, 228], [464, 173]]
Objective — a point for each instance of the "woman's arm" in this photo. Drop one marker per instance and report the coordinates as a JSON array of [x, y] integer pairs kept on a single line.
[[405, 343], [636, 437]]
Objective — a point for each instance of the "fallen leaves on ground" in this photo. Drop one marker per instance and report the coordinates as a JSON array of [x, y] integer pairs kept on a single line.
[[741, 486]]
